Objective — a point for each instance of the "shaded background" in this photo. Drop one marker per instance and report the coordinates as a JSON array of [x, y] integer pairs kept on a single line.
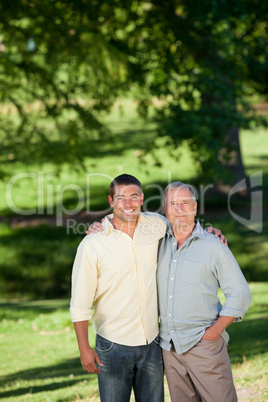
[[164, 90], [158, 89]]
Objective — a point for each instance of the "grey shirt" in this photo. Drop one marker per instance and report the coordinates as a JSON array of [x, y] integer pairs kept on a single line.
[[188, 281]]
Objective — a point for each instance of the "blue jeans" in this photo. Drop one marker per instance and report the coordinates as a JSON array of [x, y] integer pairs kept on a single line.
[[124, 367]]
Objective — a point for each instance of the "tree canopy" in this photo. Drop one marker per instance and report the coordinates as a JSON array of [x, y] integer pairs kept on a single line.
[[64, 63]]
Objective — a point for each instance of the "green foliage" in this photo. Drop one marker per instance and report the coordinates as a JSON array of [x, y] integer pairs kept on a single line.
[[66, 62], [57, 84]]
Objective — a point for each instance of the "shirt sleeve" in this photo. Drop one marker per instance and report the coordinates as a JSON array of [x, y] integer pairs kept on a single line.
[[159, 220], [84, 282], [164, 223], [233, 284]]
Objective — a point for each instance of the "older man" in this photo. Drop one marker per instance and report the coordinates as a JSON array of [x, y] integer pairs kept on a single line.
[[192, 266]]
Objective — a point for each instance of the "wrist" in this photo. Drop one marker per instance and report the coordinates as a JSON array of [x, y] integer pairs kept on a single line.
[[84, 348], [214, 331], [220, 325]]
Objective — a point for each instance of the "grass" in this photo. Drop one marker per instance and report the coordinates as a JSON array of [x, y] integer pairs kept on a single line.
[[36, 262], [40, 356], [40, 359]]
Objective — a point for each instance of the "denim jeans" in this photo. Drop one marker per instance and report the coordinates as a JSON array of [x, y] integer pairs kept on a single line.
[[124, 367]]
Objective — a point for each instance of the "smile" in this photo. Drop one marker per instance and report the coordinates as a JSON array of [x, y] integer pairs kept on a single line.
[[128, 212]]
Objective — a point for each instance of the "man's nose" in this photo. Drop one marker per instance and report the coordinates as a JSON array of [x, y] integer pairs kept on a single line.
[[179, 207], [127, 201]]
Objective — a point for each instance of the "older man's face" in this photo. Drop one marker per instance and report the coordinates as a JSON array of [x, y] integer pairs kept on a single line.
[[179, 208]]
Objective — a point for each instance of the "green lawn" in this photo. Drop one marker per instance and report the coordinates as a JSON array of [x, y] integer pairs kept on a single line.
[[40, 359]]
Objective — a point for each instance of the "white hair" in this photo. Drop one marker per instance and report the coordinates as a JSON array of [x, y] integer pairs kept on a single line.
[[175, 185]]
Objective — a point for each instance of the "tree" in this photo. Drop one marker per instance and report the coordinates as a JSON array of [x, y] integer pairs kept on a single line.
[[66, 62]]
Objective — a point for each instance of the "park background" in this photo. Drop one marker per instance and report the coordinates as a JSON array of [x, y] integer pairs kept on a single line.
[[164, 90]]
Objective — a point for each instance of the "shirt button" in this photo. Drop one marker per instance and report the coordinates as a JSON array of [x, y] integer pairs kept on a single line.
[[175, 260], [171, 279], [171, 332], [170, 296], [169, 315], [174, 244]]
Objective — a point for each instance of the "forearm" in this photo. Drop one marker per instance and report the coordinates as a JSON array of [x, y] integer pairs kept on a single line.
[[221, 324], [214, 332], [81, 330], [88, 356]]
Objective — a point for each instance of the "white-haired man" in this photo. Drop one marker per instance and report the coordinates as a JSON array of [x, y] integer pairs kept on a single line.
[[192, 266]]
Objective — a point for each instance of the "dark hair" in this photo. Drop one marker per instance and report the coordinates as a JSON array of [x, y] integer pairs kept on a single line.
[[125, 179]]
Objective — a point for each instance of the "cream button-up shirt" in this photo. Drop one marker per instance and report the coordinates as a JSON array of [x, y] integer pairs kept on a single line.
[[114, 281]]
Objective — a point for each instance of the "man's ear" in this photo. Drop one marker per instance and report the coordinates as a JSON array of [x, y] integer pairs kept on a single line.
[[110, 201], [142, 198]]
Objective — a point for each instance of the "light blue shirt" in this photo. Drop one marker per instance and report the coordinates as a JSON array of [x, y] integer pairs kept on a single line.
[[188, 282]]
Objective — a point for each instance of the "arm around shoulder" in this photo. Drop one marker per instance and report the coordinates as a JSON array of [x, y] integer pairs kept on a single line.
[[159, 220]]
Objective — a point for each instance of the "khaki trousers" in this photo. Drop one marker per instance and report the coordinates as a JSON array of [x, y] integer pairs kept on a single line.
[[201, 374]]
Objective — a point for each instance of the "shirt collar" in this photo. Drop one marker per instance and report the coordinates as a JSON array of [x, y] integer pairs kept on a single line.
[[108, 226], [197, 232]]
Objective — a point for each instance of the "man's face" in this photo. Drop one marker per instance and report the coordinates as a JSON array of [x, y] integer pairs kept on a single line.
[[126, 202], [179, 208]]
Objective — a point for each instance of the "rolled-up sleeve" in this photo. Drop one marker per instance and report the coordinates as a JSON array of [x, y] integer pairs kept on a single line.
[[84, 282], [233, 284]]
